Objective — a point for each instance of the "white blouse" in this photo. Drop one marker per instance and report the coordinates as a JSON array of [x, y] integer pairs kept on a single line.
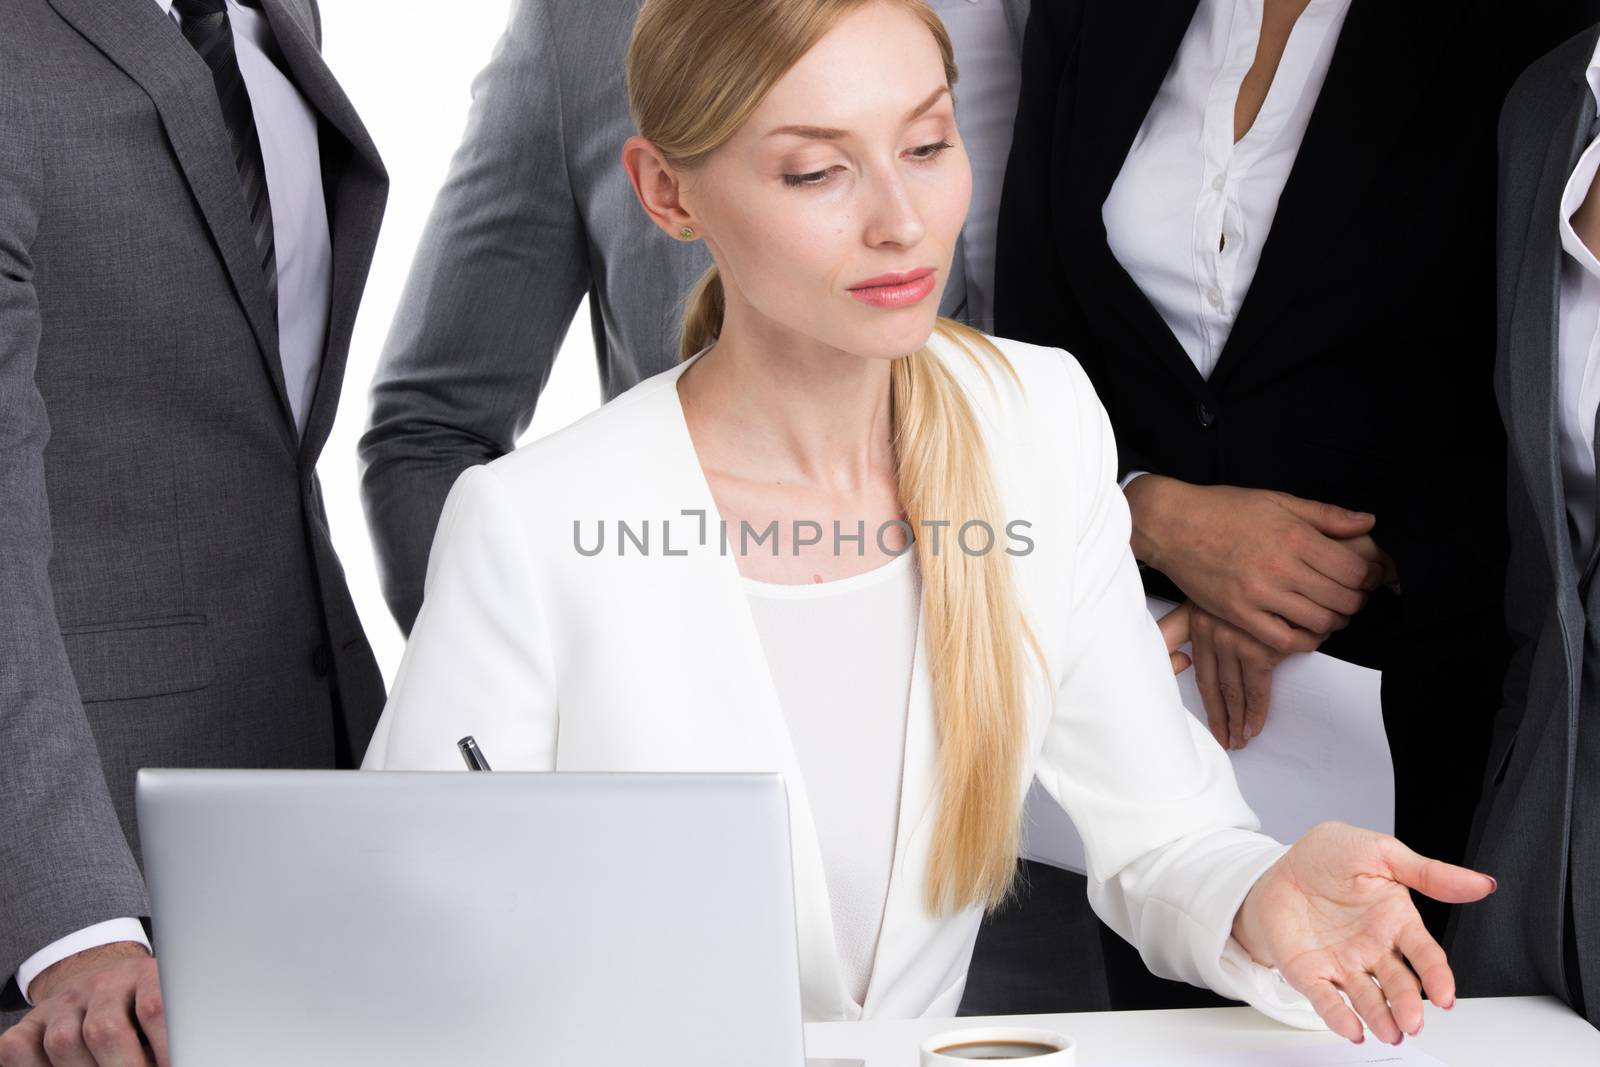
[[1190, 210], [841, 654]]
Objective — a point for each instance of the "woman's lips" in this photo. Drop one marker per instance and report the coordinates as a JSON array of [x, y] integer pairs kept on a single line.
[[895, 290]]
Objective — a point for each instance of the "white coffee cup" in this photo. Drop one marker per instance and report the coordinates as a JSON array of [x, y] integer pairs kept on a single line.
[[1027, 1047]]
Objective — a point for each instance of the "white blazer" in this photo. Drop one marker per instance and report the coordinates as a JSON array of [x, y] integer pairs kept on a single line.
[[556, 660]]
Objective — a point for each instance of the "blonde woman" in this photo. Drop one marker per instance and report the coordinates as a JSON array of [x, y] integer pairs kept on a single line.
[[661, 587]]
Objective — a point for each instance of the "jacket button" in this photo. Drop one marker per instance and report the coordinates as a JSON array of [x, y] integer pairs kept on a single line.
[[321, 661], [1206, 416]]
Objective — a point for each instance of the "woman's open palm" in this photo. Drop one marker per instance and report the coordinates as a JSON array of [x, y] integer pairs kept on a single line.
[[1334, 915]]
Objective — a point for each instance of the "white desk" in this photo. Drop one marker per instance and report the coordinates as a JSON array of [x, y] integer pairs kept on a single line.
[[1491, 1032]]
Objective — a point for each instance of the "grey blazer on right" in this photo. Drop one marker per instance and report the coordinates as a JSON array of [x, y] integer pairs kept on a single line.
[[1541, 806]]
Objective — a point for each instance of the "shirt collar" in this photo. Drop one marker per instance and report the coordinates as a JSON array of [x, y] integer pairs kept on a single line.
[[165, 6]]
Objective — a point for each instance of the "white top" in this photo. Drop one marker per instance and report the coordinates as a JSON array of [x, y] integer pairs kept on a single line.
[[840, 654], [292, 157], [986, 111], [1578, 392], [1189, 213]]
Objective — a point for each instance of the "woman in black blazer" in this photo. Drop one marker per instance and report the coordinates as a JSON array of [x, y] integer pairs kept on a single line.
[[1356, 375]]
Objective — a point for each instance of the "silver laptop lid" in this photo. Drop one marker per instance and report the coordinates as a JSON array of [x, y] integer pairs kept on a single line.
[[339, 918]]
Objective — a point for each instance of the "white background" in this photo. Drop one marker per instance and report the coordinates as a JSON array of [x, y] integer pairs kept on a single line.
[[408, 66]]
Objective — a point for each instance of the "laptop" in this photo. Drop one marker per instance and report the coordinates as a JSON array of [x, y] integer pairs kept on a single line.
[[424, 918]]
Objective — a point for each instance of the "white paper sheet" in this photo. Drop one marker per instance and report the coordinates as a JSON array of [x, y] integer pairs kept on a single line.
[[1340, 1054], [1323, 755]]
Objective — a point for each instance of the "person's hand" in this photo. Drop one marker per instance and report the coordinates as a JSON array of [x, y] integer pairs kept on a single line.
[[1334, 915], [1175, 627], [1271, 564], [1369, 550], [1233, 671], [99, 1008]]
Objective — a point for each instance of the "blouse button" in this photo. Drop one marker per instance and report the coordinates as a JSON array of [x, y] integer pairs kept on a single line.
[[1219, 181], [1214, 297]]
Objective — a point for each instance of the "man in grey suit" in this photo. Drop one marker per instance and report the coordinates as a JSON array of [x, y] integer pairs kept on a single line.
[[536, 212], [188, 209], [1538, 827]]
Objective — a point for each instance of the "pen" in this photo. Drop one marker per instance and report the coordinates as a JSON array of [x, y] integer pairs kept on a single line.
[[472, 754]]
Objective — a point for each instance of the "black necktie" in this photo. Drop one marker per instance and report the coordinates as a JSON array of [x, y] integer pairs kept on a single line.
[[205, 25]]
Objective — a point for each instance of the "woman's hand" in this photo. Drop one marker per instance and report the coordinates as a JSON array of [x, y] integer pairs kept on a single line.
[[1334, 915], [1273, 565]]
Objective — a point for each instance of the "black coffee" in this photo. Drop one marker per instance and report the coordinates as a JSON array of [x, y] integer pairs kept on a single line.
[[997, 1050]]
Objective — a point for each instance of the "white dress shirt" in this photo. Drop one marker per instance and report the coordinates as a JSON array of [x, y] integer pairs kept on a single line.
[[1578, 391], [1189, 213], [841, 654], [986, 111], [290, 152]]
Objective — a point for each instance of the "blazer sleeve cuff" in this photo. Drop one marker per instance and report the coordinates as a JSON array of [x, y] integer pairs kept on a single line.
[[1223, 963]]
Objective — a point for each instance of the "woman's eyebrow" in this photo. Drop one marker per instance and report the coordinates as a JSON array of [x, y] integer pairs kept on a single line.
[[828, 133]]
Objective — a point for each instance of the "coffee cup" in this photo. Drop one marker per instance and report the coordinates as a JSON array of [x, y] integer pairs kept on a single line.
[[1035, 1048]]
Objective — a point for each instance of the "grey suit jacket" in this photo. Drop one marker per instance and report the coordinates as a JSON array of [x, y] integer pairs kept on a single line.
[[536, 212], [1540, 795], [169, 595]]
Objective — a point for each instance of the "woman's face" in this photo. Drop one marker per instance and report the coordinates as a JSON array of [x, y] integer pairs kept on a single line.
[[833, 213]]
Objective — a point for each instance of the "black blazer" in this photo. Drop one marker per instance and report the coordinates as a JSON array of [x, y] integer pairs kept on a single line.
[[1359, 370]]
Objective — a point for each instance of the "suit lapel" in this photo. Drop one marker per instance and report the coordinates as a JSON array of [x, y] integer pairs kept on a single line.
[[1383, 56], [355, 186], [1127, 51], [149, 49], [1528, 374]]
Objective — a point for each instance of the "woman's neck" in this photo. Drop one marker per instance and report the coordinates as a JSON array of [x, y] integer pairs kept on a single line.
[[790, 411]]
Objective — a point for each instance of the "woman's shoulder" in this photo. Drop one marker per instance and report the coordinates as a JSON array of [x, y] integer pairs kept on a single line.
[[608, 448], [1027, 381]]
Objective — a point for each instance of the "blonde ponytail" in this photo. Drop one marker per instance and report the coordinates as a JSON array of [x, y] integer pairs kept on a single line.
[[974, 624], [702, 314]]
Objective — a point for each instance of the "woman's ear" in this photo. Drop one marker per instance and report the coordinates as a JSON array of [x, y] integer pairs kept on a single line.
[[657, 186]]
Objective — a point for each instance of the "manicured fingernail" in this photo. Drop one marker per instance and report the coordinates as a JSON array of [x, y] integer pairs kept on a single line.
[[1494, 883]]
